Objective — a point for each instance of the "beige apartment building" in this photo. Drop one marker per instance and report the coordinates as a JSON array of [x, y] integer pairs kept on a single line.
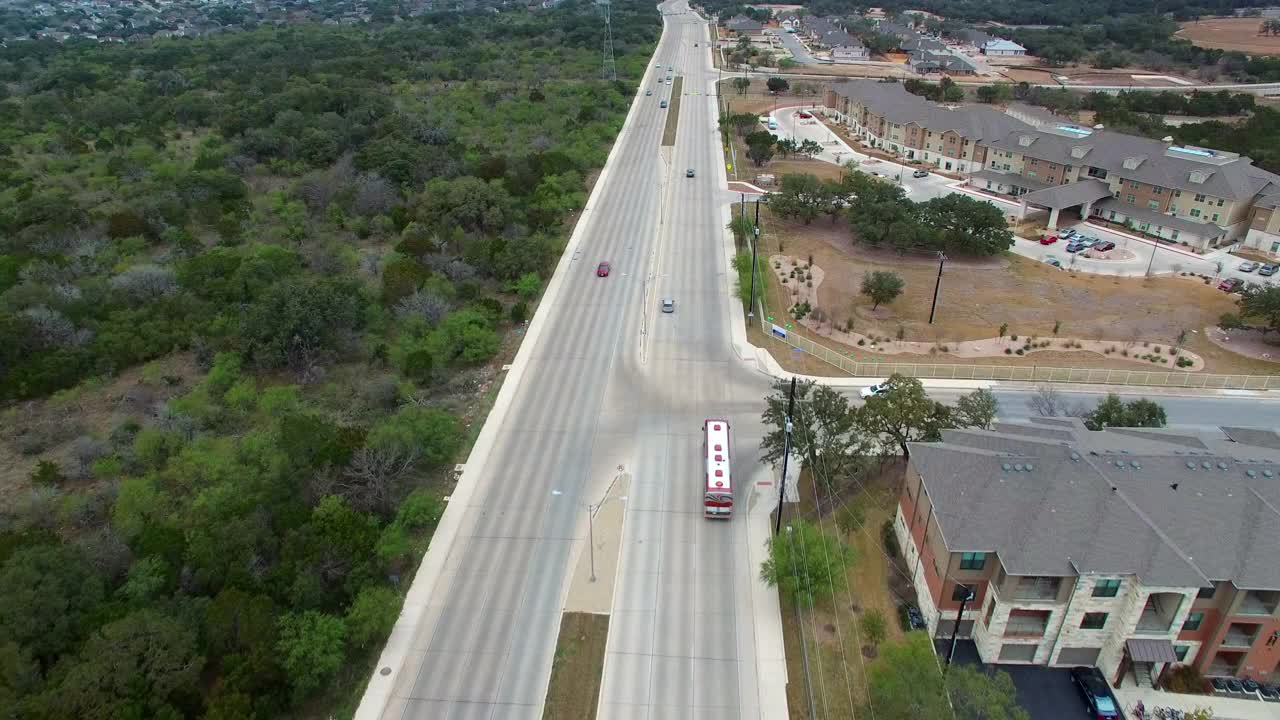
[[1130, 550], [1199, 197]]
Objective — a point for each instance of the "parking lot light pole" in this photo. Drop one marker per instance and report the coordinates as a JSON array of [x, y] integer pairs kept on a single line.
[[942, 260], [1154, 247], [591, 529]]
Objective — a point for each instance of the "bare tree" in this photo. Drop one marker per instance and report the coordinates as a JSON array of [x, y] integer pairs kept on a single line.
[[53, 329], [1048, 402], [371, 481], [426, 305], [374, 194], [146, 282]]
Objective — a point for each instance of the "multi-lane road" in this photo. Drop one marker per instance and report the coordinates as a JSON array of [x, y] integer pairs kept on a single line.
[[607, 385]]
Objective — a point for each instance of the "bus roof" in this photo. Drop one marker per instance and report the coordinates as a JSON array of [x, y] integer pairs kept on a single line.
[[718, 478]]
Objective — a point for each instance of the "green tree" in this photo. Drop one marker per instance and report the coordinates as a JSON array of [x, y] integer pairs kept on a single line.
[[760, 146], [1114, 412], [981, 695], [777, 85], [741, 84], [805, 563], [371, 616], [977, 409], [851, 518], [882, 286], [432, 435], [47, 593], [953, 93], [1263, 304], [801, 196], [825, 433], [874, 627], [312, 646], [905, 682], [466, 202], [144, 665], [967, 225], [903, 415]]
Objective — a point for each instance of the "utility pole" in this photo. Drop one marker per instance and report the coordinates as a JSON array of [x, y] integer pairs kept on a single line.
[[1154, 246], [755, 244], [955, 631], [942, 260], [786, 455]]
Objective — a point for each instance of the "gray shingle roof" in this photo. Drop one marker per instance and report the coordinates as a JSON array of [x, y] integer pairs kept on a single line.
[[1122, 501], [1069, 195], [1155, 217], [1236, 179], [1254, 436], [895, 104]]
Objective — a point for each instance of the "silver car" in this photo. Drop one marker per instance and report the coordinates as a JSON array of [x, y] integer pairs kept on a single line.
[[1248, 266], [668, 305]]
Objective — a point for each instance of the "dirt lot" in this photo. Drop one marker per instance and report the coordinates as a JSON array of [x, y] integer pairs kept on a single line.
[[1231, 34], [831, 632], [978, 296], [1085, 75], [760, 101], [579, 663]]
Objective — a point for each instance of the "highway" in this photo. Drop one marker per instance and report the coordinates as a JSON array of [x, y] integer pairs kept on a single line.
[[608, 386]]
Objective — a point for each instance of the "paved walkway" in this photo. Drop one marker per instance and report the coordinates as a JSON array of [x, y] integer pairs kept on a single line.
[[1224, 708]]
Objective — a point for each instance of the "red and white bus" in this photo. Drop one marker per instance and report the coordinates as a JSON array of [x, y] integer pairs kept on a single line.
[[717, 502]]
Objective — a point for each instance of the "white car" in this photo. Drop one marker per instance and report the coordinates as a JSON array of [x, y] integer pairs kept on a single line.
[[874, 390], [1248, 266]]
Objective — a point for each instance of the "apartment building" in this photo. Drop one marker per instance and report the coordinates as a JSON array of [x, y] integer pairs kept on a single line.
[[1196, 196], [888, 117], [1131, 550]]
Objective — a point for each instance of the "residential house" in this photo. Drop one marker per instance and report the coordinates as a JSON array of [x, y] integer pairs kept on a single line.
[[1264, 225], [926, 62], [742, 26], [844, 47], [1131, 550], [969, 36], [999, 47]]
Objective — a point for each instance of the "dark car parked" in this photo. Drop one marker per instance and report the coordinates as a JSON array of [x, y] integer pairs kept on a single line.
[[1097, 696]]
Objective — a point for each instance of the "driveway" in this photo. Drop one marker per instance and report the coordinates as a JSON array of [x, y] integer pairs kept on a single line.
[[797, 49], [1046, 693]]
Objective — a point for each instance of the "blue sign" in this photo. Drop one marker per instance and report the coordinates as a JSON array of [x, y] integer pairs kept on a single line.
[[780, 332]]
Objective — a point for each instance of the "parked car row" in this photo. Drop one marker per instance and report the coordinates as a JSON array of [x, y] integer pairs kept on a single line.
[[1263, 269]]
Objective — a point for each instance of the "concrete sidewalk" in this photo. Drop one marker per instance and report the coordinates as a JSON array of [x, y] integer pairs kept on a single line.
[[1224, 708]]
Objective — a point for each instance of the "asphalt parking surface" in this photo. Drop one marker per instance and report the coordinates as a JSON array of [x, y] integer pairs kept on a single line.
[[1046, 693]]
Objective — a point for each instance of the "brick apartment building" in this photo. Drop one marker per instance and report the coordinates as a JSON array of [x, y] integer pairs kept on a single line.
[[1195, 196], [1132, 550]]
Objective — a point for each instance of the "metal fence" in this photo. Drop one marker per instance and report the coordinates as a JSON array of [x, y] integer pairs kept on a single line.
[[1035, 373]]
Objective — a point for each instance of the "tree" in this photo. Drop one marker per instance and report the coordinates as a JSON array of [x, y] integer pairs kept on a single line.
[[47, 593], [977, 409], [905, 682], [967, 225], [903, 415], [882, 286], [777, 85], [953, 93], [874, 627], [741, 84], [801, 196], [824, 432], [851, 517], [810, 148], [1114, 412], [977, 694], [371, 615], [1263, 304], [312, 646], [806, 563], [760, 147], [143, 665], [1048, 402], [297, 321]]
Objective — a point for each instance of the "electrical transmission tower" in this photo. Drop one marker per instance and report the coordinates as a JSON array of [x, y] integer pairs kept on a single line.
[[610, 70]]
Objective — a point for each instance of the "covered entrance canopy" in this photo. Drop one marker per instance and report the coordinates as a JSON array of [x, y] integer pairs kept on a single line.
[[1150, 651], [1060, 197]]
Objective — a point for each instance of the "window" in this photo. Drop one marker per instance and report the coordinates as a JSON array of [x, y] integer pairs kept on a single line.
[[1193, 621], [1093, 621], [1106, 588], [1157, 190], [1199, 197], [1053, 166], [1219, 202], [960, 592], [1153, 204], [1195, 212], [1174, 235], [1130, 198], [972, 560], [1133, 184], [1006, 167], [1034, 162], [1173, 209], [1031, 173], [1177, 193], [1180, 652]]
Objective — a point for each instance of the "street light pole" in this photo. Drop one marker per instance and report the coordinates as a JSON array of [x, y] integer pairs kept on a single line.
[[755, 244], [1154, 246], [942, 260], [786, 455], [591, 528]]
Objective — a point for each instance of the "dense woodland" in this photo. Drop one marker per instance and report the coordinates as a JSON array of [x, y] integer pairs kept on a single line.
[[335, 229]]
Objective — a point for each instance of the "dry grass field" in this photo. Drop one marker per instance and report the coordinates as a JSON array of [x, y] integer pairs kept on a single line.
[[1231, 34]]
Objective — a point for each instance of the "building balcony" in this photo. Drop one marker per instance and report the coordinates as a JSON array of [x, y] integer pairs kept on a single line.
[[1153, 624], [1158, 614], [1256, 602], [1028, 631], [1026, 624], [1240, 636]]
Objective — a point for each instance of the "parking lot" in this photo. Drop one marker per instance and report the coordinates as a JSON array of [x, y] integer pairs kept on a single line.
[[1046, 693]]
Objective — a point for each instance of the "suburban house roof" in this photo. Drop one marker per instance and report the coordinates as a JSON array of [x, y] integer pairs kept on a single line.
[[1120, 501], [1270, 200], [1060, 197], [839, 38], [1013, 179], [976, 38], [892, 102], [1220, 174], [1000, 44], [743, 24]]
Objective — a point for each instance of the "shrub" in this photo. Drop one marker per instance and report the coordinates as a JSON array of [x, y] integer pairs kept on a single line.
[[902, 332], [1125, 353], [1020, 351], [890, 540], [1007, 351], [519, 312], [862, 341], [1184, 679], [1014, 338], [1156, 349], [47, 474]]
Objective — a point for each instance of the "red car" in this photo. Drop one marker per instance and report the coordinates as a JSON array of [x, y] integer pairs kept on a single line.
[[803, 115], [602, 270], [1048, 239], [1230, 284]]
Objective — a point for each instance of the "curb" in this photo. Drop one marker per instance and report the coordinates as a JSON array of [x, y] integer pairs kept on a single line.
[[378, 693]]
